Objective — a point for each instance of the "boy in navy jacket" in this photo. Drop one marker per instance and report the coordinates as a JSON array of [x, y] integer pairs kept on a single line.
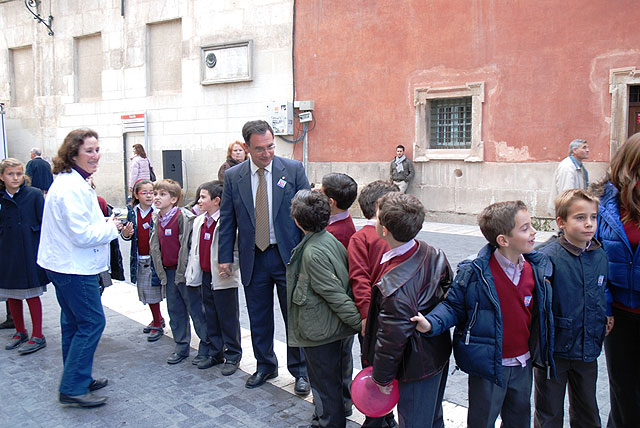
[[500, 304], [580, 313]]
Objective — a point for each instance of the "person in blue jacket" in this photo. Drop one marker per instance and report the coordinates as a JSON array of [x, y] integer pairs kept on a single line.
[[619, 233], [500, 303]]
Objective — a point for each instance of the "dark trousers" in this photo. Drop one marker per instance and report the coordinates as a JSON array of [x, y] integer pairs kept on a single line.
[[222, 312], [549, 395], [511, 401], [420, 404], [82, 322], [268, 271], [370, 422], [622, 347], [324, 364], [183, 301]]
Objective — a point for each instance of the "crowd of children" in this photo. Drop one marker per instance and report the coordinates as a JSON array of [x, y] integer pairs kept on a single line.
[[521, 317]]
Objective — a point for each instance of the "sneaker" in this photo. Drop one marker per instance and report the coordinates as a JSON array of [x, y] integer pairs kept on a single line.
[[155, 334], [16, 340], [32, 345], [149, 327]]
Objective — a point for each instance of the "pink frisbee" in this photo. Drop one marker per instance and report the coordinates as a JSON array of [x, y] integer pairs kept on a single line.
[[368, 398]]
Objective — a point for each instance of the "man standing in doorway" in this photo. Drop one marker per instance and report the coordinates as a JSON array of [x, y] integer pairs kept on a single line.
[[39, 170], [402, 171], [255, 204], [571, 173]]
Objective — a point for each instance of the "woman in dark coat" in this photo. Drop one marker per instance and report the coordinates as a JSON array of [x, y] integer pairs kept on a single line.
[[236, 154], [20, 277]]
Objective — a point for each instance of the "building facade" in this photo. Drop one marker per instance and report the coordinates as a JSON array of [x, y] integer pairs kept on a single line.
[[113, 58], [485, 95]]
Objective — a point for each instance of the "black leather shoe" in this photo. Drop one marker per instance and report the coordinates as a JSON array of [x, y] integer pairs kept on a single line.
[[156, 333], [259, 378], [229, 368], [8, 323], [85, 400], [302, 386], [209, 362], [175, 358], [198, 359], [97, 384]]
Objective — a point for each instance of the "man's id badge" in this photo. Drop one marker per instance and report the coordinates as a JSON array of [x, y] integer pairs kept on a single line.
[[281, 183], [527, 300], [600, 280], [167, 232], [146, 226], [207, 236]]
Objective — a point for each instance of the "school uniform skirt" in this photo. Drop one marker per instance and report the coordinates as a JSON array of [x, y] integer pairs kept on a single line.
[[147, 293], [21, 293]]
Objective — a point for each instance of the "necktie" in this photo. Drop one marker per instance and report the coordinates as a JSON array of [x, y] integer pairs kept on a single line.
[[262, 213]]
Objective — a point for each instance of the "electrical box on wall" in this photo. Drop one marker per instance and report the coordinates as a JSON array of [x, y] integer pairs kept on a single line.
[[280, 117]]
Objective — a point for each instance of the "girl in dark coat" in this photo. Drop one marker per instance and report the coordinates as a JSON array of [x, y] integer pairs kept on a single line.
[[20, 277]]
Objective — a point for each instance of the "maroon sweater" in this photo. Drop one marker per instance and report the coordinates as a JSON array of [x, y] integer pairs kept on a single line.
[[169, 238], [206, 238], [515, 304], [143, 232], [342, 230], [365, 251]]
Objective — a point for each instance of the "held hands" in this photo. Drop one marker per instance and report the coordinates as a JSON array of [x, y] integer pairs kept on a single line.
[[127, 230], [609, 325], [225, 270], [423, 325]]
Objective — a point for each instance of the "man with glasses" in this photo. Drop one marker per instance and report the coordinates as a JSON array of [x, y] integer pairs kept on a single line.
[[255, 203]]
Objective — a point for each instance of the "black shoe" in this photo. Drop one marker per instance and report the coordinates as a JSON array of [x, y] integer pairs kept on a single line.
[[97, 384], [149, 327], [84, 400], [259, 378], [229, 368], [156, 333], [8, 323], [390, 421], [209, 362], [33, 345], [175, 358], [302, 387], [16, 340], [198, 359]]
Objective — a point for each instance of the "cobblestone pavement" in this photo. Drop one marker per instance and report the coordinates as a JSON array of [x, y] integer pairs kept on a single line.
[[144, 391]]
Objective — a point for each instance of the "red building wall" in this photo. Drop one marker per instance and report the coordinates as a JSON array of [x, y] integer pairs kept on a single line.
[[545, 65]]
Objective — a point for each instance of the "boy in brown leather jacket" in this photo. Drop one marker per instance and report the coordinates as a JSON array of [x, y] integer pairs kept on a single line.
[[414, 279]]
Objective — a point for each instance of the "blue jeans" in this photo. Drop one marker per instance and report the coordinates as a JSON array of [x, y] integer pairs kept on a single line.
[[82, 322]]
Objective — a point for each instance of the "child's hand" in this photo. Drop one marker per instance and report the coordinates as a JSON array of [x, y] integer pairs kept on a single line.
[[609, 325], [127, 231], [386, 390], [423, 325], [117, 222]]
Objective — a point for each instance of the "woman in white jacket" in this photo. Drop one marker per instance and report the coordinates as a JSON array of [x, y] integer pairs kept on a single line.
[[74, 249], [140, 166]]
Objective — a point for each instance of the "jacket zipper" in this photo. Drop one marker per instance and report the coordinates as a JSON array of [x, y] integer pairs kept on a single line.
[[471, 324]]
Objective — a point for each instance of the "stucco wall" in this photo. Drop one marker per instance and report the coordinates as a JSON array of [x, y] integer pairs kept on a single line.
[[199, 120]]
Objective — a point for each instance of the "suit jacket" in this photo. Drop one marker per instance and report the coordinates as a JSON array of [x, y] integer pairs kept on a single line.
[[237, 212]]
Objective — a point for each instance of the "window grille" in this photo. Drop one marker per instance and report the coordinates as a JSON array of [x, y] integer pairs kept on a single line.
[[450, 123]]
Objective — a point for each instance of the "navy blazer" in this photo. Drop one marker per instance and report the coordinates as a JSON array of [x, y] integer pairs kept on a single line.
[[237, 212]]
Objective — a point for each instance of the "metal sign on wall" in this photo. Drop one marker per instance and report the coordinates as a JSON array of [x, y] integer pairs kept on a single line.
[[134, 122]]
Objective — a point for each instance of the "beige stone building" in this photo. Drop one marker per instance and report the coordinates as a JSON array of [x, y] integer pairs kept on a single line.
[[113, 58]]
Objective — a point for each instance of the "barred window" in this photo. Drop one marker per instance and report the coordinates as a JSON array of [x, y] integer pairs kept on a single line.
[[450, 123]]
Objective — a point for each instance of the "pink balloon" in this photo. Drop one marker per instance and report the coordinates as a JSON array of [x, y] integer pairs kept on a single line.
[[368, 398]]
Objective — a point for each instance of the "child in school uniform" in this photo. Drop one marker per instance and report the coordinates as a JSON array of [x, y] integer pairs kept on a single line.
[[365, 251], [342, 191], [169, 245], [322, 315], [21, 208], [500, 303], [581, 315], [415, 279], [138, 231], [219, 296]]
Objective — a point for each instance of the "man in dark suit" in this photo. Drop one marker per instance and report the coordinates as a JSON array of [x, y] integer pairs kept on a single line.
[[39, 170], [256, 202]]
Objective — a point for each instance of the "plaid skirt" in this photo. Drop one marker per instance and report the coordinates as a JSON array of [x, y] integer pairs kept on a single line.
[[21, 293], [147, 293]]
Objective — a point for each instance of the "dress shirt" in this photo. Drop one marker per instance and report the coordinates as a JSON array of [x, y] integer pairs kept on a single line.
[[398, 251], [337, 217]]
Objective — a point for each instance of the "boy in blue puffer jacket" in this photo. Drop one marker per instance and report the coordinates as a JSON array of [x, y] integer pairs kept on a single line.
[[581, 314], [500, 304]]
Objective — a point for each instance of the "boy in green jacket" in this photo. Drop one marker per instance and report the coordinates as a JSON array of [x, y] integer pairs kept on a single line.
[[322, 314]]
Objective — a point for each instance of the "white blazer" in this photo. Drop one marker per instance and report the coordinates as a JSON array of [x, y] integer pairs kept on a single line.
[[75, 236], [194, 271]]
